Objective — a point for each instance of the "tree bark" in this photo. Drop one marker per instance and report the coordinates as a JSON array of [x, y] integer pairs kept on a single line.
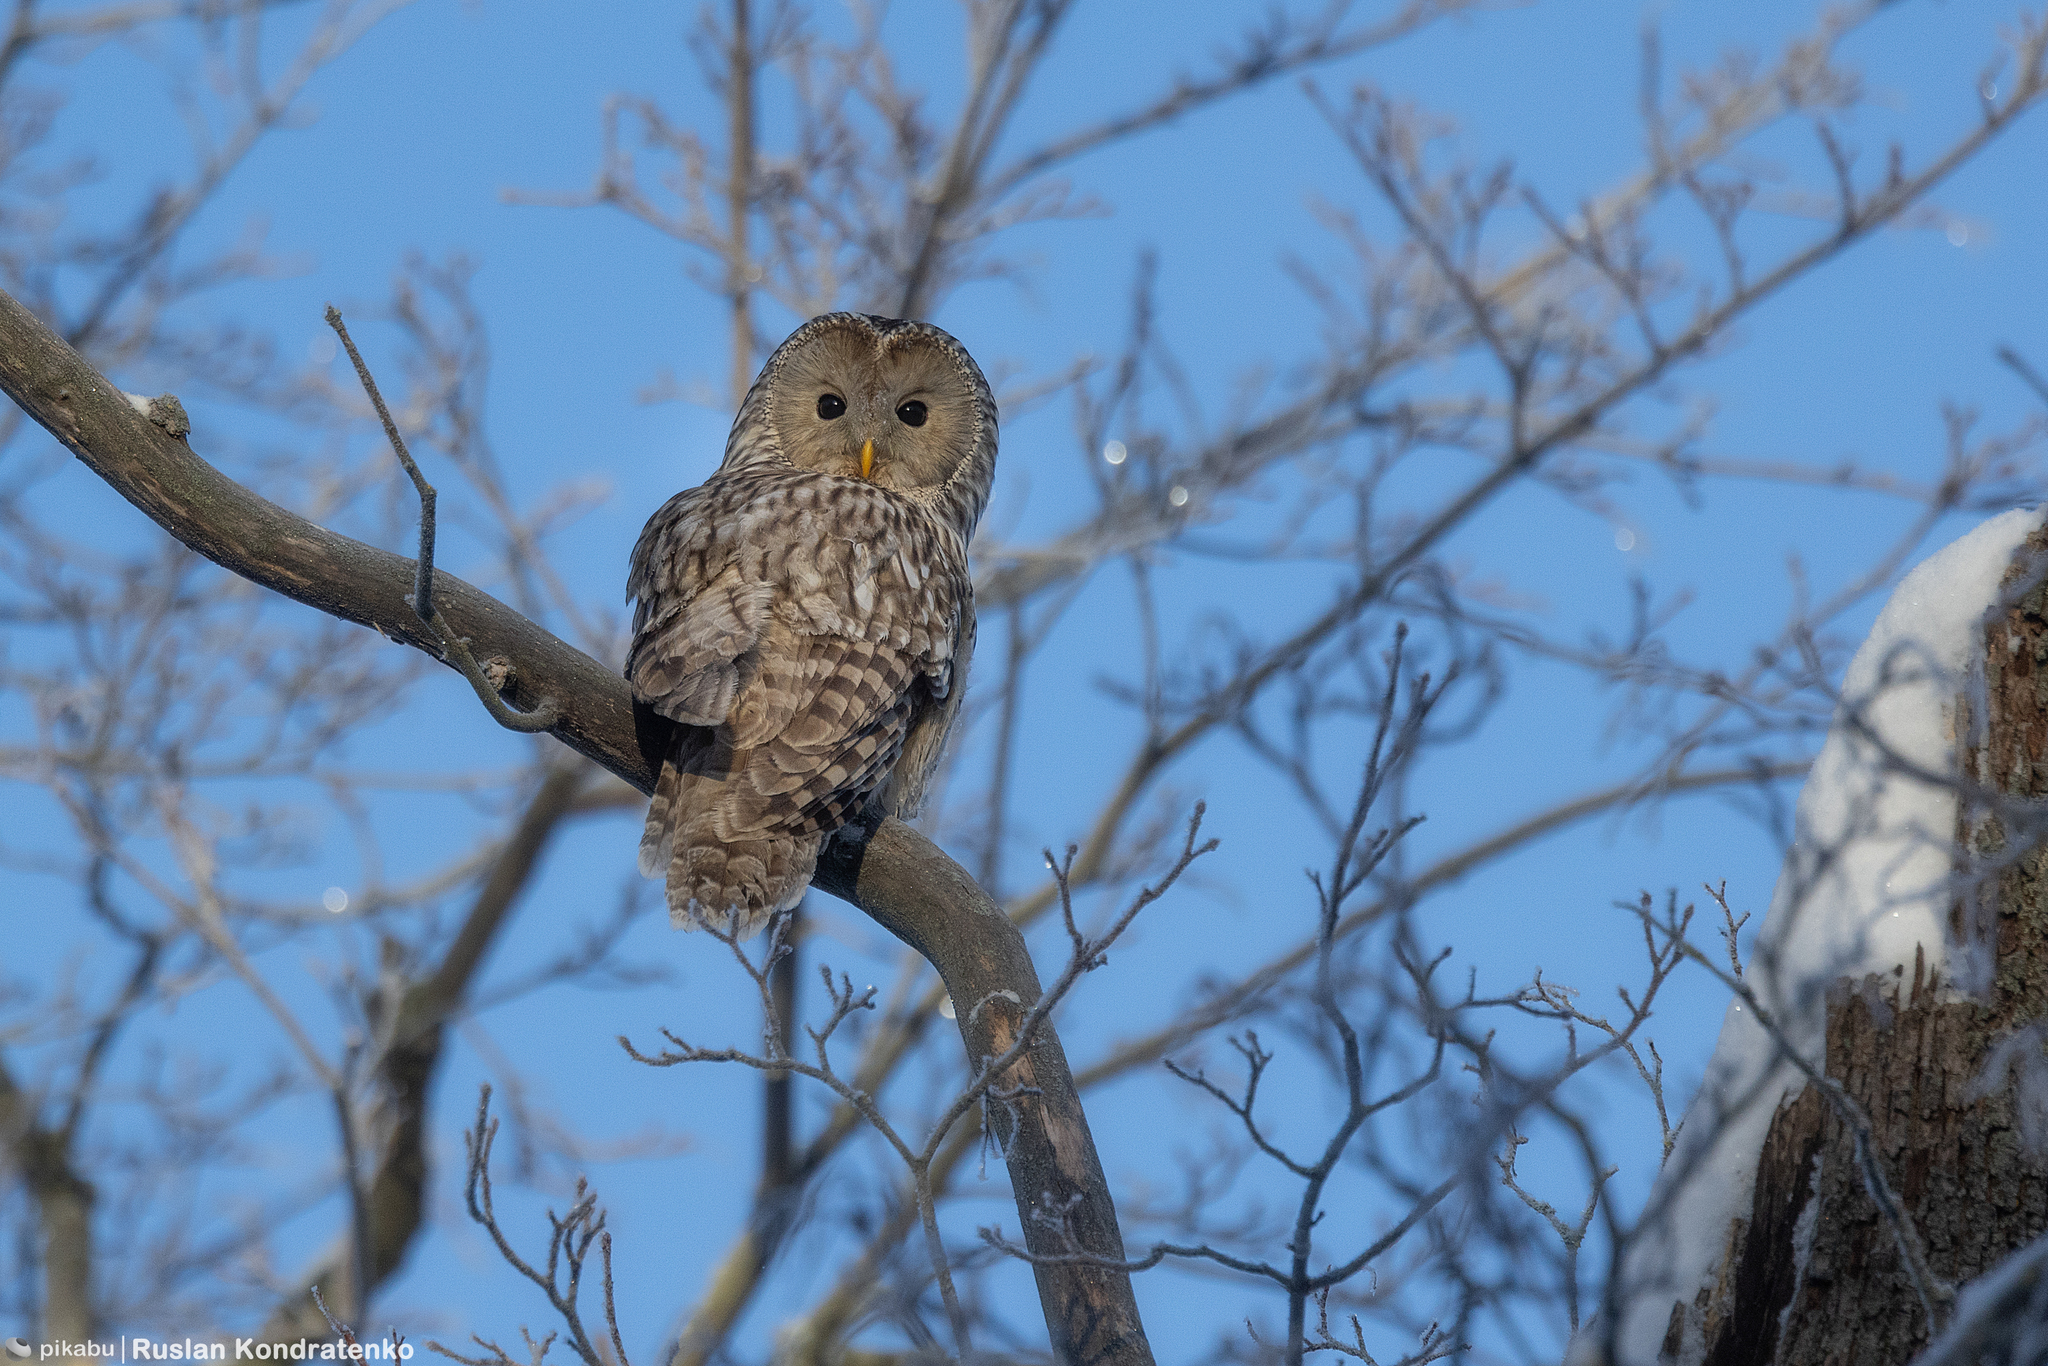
[[900, 878], [1912, 1059], [64, 1205], [914, 891]]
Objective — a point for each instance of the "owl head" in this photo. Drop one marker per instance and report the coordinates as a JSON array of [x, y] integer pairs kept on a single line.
[[900, 405]]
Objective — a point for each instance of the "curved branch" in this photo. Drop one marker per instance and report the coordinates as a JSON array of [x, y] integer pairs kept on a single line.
[[266, 544], [896, 875], [914, 891]]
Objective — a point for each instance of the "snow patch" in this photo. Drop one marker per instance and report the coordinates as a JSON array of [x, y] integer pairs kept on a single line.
[[1803, 1229], [1867, 884]]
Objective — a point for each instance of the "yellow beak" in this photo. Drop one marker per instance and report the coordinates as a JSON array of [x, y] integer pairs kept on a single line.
[[867, 458]]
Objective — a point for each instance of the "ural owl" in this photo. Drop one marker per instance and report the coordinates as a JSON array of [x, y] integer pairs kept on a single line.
[[805, 614]]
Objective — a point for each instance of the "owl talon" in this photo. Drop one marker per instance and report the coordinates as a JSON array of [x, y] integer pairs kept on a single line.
[[858, 831]]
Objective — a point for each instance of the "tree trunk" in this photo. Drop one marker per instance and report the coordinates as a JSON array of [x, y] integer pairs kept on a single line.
[[1912, 1056]]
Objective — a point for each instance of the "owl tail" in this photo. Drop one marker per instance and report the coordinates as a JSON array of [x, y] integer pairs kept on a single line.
[[711, 877]]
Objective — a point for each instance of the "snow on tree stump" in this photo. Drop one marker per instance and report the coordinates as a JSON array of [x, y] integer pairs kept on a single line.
[[1934, 1047]]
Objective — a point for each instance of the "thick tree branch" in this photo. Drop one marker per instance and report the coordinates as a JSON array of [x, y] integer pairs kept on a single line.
[[268, 545], [897, 876], [914, 891]]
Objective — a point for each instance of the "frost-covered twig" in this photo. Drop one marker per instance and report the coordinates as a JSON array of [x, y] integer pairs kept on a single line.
[[1552, 1001], [394, 1340], [987, 1085], [1435, 1345], [569, 1243], [1358, 854], [1572, 1235]]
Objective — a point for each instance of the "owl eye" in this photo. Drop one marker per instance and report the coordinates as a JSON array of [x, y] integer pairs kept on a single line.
[[830, 406], [911, 414]]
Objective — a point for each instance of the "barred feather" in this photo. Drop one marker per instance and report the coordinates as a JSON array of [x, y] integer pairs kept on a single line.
[[810, 634]]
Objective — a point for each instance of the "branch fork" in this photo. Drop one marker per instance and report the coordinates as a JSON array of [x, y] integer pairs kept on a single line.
[[486, 678]]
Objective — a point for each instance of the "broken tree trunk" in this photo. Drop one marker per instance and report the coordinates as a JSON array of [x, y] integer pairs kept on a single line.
[[1815, 1275]]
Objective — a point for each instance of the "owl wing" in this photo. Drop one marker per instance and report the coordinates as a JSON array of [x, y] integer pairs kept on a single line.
[[845, 704], [932, 719], [702, 605], [815, 627], [737, 828]]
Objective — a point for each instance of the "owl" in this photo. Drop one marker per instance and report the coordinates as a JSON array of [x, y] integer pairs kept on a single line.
[[805, 614]]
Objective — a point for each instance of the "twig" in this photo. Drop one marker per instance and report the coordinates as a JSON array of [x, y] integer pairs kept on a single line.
[[2018, 365], [991, 1080], [569, 1242], [546, 712]]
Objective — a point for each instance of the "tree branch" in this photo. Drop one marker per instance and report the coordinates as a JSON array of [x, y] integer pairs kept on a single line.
[[908, 886], [409, 1059], [64, 1205], [902, 880]]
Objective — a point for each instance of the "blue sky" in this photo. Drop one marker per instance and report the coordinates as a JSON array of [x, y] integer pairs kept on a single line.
[[412, 142]]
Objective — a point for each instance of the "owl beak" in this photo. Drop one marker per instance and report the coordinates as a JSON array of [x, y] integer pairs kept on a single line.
[[867, 458]]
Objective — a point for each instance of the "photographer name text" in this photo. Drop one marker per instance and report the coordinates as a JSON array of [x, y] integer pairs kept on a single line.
[[236, 1349]]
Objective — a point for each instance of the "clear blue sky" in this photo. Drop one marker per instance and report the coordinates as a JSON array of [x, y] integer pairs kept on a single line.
[[420, 131]]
